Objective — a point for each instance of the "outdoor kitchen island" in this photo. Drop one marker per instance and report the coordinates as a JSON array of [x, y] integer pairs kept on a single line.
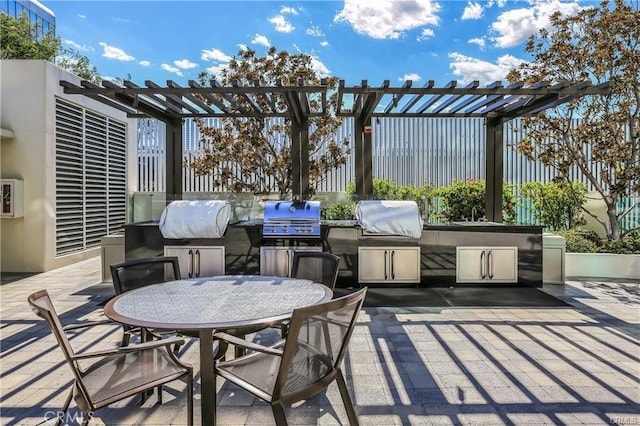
[[478, 253]]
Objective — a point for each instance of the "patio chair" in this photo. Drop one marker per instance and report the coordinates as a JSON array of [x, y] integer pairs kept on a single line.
[[303, 364], [107, 376], [136, 273], [319, 266]]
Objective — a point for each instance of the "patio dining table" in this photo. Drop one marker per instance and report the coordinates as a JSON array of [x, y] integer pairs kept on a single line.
[[207, 304]]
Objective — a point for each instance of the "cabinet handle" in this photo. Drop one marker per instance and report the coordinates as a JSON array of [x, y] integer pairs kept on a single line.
[[393, 256], [190, 264], [386, 275], [197, 263], [490, 264], [483, 274], [288, 263]]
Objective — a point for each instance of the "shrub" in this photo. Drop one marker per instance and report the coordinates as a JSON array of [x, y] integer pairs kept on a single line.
[[629, 244], [341, 210], [556, 206], [461, 197], [579, 241], [384, 189]]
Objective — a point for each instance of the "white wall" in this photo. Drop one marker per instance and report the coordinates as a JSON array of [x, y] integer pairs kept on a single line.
[[28, 89]]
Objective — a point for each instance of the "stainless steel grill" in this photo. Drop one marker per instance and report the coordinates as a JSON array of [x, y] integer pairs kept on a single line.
[[294, 219]]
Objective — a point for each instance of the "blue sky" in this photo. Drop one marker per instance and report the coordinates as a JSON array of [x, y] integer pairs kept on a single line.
[[355, 40]]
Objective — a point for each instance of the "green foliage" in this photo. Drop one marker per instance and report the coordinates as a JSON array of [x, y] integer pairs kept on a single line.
[[462, 197], [556, 205], [578, 242], [77, 64], [384, 189], [341, 210], [598, 44], [20, 39], [629, 244], [584, 241]]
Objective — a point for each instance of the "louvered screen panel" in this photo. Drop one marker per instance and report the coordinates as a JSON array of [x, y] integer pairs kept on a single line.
[[90, 177], [69, 178], [96, 163], [117, 172]]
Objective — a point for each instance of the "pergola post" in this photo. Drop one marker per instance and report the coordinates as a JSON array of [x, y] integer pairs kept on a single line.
[[296, 169], [494, 170], [363, 157], [174, 154]]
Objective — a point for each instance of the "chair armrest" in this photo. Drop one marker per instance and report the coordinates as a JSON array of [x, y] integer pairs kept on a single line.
[[130, 349], [236, 341], [88, 324]]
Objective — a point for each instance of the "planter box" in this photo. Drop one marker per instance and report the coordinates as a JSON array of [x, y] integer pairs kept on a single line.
[[602, 265]]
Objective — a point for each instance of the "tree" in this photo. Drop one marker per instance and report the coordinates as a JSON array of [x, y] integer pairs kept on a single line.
[[598, 44], [77, 64], [22, 39], [254, 154]]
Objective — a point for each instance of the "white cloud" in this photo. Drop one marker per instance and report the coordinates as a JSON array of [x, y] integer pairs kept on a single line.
[[290, 10], [319, 67], [82, 16], [261, 40], [515, 26], [172, 69], [469, 69], [281, 24], [472, 11], [216, 70], [80, 47], [324, 43], [112, 52], [388, 19], [315, 31], [500, 3], [145, 63], [185, 64], [242, 47], [216, 55], [480, 41], [412, 77], [426, 33]]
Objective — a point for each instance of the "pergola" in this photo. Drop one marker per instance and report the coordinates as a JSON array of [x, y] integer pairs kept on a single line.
[[495, 103]]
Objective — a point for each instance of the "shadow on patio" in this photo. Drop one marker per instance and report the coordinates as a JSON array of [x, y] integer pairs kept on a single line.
[[413, 365]]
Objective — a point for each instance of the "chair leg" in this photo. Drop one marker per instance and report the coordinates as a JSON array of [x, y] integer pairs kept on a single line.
[[346, 399], [190, 400], [126, 338], [65, 407], [85, 419], [278, 413]]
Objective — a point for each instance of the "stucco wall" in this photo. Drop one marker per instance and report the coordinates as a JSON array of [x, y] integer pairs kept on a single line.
[[28, 89]]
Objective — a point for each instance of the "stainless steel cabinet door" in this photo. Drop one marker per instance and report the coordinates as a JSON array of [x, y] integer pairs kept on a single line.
[[198, 261], [487, 264]]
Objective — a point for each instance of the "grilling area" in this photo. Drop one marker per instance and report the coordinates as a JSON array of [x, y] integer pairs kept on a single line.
[[375, 249]]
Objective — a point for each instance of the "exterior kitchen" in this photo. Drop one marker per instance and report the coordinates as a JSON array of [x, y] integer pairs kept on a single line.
[[389, 243]]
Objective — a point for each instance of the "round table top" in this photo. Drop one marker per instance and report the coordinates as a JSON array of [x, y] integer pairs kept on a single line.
[[220, 302]]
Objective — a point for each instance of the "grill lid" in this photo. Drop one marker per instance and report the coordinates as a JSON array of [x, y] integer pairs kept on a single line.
[[292, 219]]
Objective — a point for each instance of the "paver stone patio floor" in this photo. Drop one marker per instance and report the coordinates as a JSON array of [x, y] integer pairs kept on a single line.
[[574, 364]]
